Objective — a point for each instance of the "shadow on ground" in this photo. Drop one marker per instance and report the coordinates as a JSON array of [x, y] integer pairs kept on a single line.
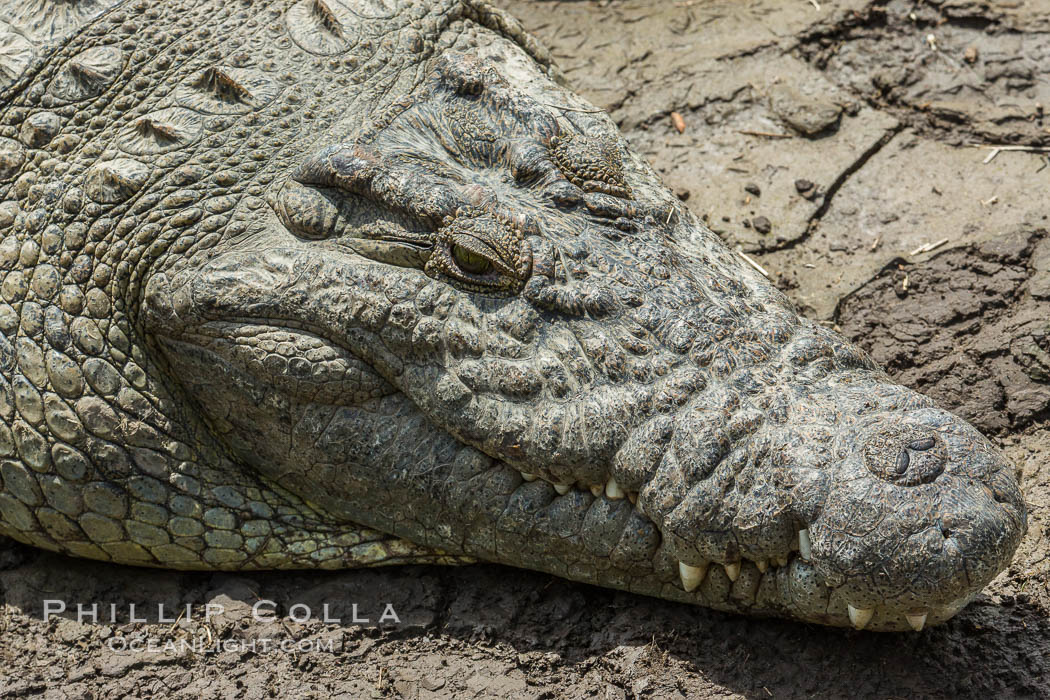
[[473, 631]]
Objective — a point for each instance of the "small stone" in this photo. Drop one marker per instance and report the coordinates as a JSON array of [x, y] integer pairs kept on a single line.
[[762, 224], [805, 114], [803, 186], [753, 189], [970, 54]]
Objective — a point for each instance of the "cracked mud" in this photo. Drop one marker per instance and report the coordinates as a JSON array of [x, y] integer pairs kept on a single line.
[[832, 146]]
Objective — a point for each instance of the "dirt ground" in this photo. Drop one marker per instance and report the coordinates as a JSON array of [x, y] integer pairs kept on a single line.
[[832, 141]]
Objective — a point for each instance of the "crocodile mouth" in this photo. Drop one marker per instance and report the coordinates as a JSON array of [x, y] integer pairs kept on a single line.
[[790, 581], [795, 582], [790, 578]]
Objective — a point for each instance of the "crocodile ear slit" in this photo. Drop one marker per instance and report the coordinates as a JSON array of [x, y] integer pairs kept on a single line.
[[391, 252]]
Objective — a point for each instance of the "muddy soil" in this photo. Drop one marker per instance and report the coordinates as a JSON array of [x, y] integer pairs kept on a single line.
[[832, 141]]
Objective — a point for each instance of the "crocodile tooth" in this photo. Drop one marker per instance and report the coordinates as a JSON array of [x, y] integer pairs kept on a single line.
[[805, 548], [562, 489], [632, 496], [781, 560], [917, 621], [762, 565], [692, 576], [732, 570], [860, 616], [528, 477], [613, 490], [596, 491]]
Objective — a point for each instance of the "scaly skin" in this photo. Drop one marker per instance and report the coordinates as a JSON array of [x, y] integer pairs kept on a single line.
[[310, 283]]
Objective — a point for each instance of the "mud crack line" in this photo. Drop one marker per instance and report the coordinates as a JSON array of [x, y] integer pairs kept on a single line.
[[837, 184]]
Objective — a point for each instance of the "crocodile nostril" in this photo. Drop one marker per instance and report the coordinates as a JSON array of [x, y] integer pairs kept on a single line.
[[894, 452], [922, 443], [903, 460]]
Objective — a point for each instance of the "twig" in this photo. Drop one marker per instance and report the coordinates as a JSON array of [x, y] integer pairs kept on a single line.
[[752, 262], [767, 134], [573, 109], [816, 6], [1004, 147], [927, 247], [177, 619]]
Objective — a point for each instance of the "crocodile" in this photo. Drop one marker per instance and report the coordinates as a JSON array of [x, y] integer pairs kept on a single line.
[[322, 284]]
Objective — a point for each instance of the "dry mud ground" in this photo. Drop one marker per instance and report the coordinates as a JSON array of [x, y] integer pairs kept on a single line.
[[830, 144]]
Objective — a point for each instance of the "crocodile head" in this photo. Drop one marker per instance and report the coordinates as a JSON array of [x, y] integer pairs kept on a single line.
[[474, 319]]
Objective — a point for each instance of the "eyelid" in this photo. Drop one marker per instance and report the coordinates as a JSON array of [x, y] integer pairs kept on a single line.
[[480, 247]]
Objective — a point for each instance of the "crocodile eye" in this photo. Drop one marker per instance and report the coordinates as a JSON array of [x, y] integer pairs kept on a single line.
[[470, 261]]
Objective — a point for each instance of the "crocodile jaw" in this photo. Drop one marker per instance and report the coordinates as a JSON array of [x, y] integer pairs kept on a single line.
[[689, 437], [805, 542]]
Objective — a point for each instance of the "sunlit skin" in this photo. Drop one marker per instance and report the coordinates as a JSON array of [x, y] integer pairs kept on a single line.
[[326, 302]]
